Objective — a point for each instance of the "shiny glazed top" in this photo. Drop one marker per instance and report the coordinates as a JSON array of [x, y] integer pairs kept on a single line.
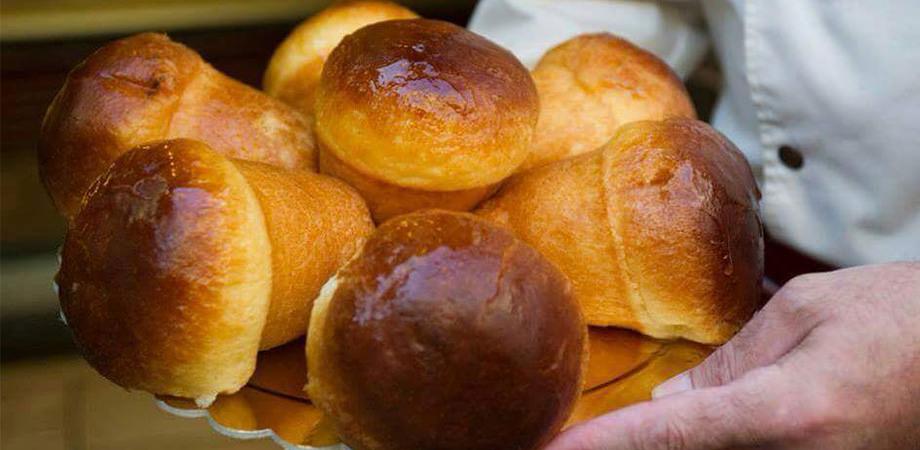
[[687, 207], [449, 333], [146, 88], [658, 230], [294, 70], [426, 104], [166, 272]]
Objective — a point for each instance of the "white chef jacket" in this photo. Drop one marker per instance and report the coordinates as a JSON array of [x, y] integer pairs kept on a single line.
[[838, 81]]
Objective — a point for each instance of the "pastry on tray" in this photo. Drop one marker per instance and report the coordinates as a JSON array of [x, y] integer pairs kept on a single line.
[[411, 241]]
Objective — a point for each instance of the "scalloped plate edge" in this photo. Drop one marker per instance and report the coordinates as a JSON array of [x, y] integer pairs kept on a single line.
[[239, 434]]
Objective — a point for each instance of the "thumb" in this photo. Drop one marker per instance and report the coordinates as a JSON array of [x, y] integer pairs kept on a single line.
[[774, 331], [739, 414]]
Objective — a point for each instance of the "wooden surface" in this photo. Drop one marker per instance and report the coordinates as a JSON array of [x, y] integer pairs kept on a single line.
[[61, 404]]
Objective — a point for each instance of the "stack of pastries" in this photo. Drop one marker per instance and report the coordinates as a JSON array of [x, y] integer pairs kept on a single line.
[[441, 223]]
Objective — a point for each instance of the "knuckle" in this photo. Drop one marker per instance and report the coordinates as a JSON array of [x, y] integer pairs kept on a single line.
[[799, 298], [799, 282], [668, 434], [823, 413], [752, 404], [805, 284], [806, 423], [674, 436], [817, 413], [797, 286], [792, 306], [721, 367]]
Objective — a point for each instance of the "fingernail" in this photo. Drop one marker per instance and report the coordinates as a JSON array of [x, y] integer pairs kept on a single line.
[[675, 385]]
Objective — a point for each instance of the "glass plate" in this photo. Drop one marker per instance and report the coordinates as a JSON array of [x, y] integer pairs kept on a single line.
[[623, 369]]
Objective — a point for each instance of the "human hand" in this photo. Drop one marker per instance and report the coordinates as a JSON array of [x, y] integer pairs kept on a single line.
[[831, 362]]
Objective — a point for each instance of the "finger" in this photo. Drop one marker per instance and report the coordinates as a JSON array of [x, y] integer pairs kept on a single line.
[[745, 413], [771, 333]]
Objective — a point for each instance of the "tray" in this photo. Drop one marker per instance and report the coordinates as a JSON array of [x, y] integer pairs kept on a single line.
[[623, 369]]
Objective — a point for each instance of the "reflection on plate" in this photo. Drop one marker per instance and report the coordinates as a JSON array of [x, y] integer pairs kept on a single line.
[[622, 370]]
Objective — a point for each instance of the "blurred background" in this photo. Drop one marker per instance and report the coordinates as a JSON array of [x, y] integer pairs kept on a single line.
[[50, 398]]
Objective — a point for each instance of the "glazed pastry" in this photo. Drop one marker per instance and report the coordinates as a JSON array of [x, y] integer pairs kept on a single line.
[[592, 84], [145, 88], [422, 113], [446, 332], [184, 263], [658, 231], [294, 70]]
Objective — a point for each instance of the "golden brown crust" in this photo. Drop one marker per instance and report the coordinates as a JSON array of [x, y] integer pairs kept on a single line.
[[679, 187], [425, 104], [658, 231], [592, 84], [241, 122], [560, 210], [386, 200], [148, 310], [315, 223], [84, 130], [443, 325], [294, 70], [184, 263], [145, 88]]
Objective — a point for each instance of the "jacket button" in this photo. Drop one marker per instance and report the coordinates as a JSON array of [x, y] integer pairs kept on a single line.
[[791, 157]]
